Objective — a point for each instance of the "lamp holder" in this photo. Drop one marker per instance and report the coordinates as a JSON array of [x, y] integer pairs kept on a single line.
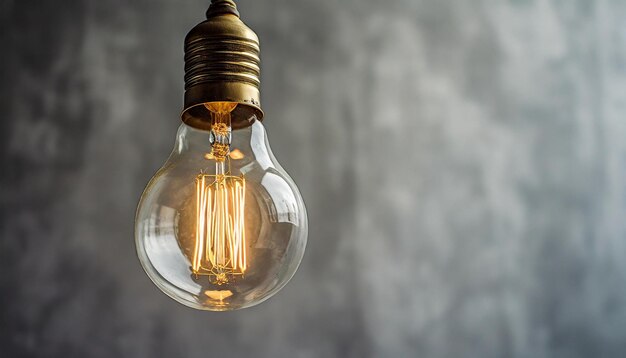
[[222, 64]]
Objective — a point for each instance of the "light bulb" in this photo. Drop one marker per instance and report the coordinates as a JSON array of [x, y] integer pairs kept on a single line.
[[221, 226]]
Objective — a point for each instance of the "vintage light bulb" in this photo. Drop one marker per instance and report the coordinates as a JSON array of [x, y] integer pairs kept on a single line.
[[221, 226]]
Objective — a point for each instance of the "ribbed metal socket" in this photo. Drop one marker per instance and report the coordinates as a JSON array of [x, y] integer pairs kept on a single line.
[[222, 64]]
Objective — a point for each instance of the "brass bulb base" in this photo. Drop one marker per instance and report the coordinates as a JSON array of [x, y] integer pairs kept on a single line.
[[222, 64]]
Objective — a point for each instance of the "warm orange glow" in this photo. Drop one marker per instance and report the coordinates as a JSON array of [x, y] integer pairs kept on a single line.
[[235, 155], [219, 295], [220, 250]]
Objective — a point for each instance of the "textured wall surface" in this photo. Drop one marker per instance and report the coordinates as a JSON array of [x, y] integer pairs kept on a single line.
[[463, 163]]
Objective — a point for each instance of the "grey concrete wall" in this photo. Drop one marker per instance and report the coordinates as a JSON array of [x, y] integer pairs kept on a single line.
[[464, 166]]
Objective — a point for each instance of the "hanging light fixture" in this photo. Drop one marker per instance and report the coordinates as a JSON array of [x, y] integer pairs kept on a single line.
[[221, 226]]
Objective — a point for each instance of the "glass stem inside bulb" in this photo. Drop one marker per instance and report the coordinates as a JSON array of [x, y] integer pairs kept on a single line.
[[220, 249]]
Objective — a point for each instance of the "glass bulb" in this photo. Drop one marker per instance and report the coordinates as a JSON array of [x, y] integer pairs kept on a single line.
[[221, 226]]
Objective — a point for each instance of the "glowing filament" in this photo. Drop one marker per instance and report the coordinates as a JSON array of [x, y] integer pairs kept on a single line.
[[220, 250]]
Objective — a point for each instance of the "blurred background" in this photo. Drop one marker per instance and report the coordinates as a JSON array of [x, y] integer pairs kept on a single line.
[[463, 165]]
